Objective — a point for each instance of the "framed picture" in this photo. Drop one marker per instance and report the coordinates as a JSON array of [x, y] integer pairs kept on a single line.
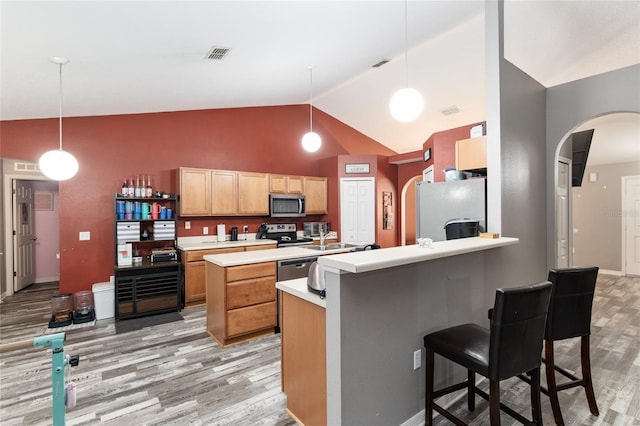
[[387, 210], [427, 154]]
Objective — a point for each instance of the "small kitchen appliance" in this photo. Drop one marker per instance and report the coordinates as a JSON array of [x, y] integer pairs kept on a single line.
[[234, 233], [286, 234], [163, 255], [315, 280], [461, 228], [286, 205]]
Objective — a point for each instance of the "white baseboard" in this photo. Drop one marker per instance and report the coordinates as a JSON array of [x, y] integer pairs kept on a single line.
[[416, 420], [47, 279], [609, 272]]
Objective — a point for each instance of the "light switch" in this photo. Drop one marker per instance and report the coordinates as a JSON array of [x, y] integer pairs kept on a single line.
[[187, 225], [85, 236]]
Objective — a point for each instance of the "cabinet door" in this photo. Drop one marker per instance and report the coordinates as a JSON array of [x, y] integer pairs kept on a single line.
[[277, 184], [253, 193], [195, 192], [295, 184], [471, 154], [195, 283], [224, 195], [315, 189]]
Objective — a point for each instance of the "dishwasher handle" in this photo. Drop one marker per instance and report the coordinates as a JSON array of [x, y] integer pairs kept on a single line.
[[298, 263]]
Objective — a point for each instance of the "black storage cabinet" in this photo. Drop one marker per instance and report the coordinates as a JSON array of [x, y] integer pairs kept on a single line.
[[147, 289]]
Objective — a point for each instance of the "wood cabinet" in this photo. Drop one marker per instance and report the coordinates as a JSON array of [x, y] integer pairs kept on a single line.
[[304, 359], [205, 192], [194, 270], [194, 186], [241, 301], [284, 184], [253, 194], [315, 190], [471, 154]]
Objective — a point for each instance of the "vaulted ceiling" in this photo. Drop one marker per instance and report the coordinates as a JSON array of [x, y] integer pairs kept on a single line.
[[150, 56]]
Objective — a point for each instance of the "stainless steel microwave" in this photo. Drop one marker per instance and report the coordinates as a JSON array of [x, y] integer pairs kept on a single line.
[[286, 205]]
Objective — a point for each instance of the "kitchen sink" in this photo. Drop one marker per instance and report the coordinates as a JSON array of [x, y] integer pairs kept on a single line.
[[332, 246]]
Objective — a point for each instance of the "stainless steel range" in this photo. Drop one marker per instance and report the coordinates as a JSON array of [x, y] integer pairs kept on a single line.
[[286, 234]]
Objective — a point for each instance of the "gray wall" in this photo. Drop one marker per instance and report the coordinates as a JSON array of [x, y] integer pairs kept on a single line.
[[571, 104], [597, 216]]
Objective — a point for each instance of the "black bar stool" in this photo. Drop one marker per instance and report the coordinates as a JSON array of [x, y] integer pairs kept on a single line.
[[511, 347], [570, 316]]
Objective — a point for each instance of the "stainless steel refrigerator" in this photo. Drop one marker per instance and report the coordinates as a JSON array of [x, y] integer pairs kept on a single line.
[[437, 203]]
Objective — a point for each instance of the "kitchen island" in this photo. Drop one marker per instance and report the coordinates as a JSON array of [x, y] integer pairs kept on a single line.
[[379, 305]]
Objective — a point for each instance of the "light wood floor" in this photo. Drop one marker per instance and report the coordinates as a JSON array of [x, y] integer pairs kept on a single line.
[[174, 373]]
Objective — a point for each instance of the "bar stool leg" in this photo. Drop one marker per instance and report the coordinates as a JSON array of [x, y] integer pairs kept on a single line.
[[551, 382], [428, 399], [471, 390], [536, 410], [494, 402], [586, 375]]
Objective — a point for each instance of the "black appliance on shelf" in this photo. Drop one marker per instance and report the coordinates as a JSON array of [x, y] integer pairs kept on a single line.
[[286, 234]]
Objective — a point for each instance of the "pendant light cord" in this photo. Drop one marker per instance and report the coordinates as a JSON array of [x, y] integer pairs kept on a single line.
[[310, 99], [60, 125], [406, 45]]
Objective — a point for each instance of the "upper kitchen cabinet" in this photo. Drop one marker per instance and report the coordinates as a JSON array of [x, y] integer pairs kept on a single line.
[[315, 191], [471, 154], [253, 194], [282, 184], [224, 193], [194, 186]]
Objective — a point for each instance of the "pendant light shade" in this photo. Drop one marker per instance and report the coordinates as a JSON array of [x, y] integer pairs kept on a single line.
[[59, 164], [311, 141], [406, 104]]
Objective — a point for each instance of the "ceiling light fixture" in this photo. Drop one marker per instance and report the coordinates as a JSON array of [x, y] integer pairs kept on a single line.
[[311, 141], [58, 164], [406, 104]]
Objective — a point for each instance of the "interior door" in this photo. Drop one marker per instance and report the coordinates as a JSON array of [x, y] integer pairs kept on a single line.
[[631, 205], [563, 222], [24, 237], [357, 210]]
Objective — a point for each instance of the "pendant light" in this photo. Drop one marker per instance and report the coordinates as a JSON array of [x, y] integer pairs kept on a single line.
[[311, 141], [406, 104], [58, 164]]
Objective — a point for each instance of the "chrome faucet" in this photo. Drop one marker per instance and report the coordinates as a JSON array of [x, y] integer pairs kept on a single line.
[[327, 235]]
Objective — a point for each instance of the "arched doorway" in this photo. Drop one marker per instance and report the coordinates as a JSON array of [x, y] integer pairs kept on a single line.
[[589, 221], [408, 211]]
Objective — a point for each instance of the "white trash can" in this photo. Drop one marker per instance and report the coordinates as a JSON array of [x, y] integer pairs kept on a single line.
[[104, 300]]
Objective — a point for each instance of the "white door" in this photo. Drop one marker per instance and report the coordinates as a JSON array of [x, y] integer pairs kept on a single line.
[[563, 222], [357, 210], [24, 237], [631, 223]]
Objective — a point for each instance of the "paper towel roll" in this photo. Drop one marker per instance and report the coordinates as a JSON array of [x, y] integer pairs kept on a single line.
[[221, 232]]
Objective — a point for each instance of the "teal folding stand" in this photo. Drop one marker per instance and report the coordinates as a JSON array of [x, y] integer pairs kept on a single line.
[[58, 363]]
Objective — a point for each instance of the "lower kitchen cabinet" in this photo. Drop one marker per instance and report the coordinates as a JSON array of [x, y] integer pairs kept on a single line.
[[194, 271], [147, 289], [241, 301]]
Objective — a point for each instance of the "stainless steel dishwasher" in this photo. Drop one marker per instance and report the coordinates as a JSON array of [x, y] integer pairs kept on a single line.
[[291, 269]]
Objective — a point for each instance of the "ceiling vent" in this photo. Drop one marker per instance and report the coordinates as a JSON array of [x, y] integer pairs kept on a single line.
[[217, 53], [25, 167], [450, 110], [379, 64]]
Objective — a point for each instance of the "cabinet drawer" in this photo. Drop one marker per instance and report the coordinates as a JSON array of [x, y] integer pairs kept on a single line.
[[260, 247], [252, 318], [251, 292], [195, 255], [255, 270]]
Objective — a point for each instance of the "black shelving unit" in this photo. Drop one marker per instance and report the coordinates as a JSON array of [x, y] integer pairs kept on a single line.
[[150, 286]]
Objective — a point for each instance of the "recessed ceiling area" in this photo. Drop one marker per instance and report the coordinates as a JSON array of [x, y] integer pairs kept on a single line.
[[136, 57]]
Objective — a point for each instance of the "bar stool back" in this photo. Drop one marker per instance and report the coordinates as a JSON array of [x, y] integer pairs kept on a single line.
[[511, 347], [570, 316]]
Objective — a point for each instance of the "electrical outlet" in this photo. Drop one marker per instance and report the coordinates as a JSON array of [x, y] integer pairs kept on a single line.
[[417, 359], [245, 228], [205, 230], [187, 225]]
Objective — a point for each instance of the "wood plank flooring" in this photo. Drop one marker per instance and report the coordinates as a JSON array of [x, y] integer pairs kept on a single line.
[[174, 373]]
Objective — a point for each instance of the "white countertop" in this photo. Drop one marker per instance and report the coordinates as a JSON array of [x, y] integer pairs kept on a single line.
[[207, 242], [298, 288], [372, 260], [270, 255]]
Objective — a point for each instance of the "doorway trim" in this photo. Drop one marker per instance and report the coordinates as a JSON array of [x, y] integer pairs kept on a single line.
[[7, 183], [625, 220]]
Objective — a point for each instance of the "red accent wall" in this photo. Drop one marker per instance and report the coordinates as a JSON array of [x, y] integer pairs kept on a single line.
[[109, 148]]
